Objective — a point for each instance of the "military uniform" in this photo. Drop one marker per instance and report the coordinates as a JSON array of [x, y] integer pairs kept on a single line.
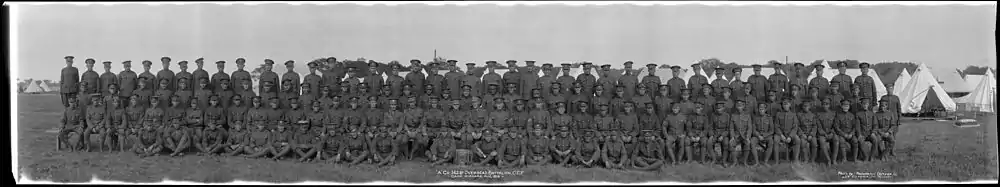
[[491, 77], [651, 81], [453, 79], [473, 81], [202, 93], [184, 77], [866, 83], [819, 81], [629, 81], [200, 73], [777, 81], [239, 77], [587, 80], [127, 80], [166, 74], [545, 82], [434, 79], [720, 81], [606, 81], [69, 80], [268, 76], [737, 84], [675, 83], [697, 81], [759, 83], [582, 119], [529, 79], [663, 101], [92, 79]]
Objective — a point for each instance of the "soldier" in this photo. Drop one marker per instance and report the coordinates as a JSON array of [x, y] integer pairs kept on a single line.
[[287, 92], [225, 93], [492, 92], [561, 118], [845, 126], [642, 96], [434, 79], [255, 115], [259, 140], [194, 123], [92, 79], [675, 83], [386, 148], [843, 81], [334, 146], [617, 102], [415, 77], [219, 76], [540, 116], [629, 80], [269, 91], [520, 116], [697, 81], [500, 118], [605, 122], [649, 156], [491, 77], [267, 75], [510, 96], [291, 78], [72, 121], [472, 80], [583, 121], [629, 121], [648, 120], [706, 97], [892, 99], [236, 138], [605, 81], [153, 116], [487, 149], [813, 98], [548, 77], [819, 81], [214, 139], [246, 91], [166, 74], [808, 125], [373, 114], [788, 131], [798, 76], [316, 116], [311, 82], [529, 79], [563, 147], [834, 95], [443, 148], [200, 73], [476, 119], [651, 81], [334, 115], [586, 79], [240, 76], [453, 79], [675, 136], [855, 98], [164, 93], [513, 75], [394, 81], [720, 134], [295, 114], [184, 77], [185, 93], [177, 140], [513, 150], [150, 78], [555, 95], [762, 137], [433, 119], [464, 140], [867, 133], [332, 72], [614, 154], [865, 82], [726, 99], [237, 110], [536, 97], [589, 150], [97, 121], [111, 95], [795, 95], [778, 81], [308, 141], [662, 100], [281, 140], [148, 142], [773, 102], [415, 138], [697, 127], [202, 93], [720, 82], [69, 80], [759, 83], [737, 83], [127, 79], [888, 124], [133, 121], [272, 113], [566, 80], [175, 111], [742, 126], [825, 135]]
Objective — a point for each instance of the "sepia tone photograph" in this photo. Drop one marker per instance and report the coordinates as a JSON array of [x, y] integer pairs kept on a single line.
[[503, 92]]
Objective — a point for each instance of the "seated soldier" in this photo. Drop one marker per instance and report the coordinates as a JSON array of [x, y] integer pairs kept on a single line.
[[649, 156], [590, 151], [236, 139], [512, 151], [97, 120], [214, 139], [385, 148], [177, 140], [148, 142], [442, 149], [888, 125], [117, 123], [195, 125], [357, 147], [675, 137], [71, 126], [307, 142], [538, 147], [563, 147], [464, 140], [281, 141], [259, 141], [334, 147], [614, 153], [487, 149]]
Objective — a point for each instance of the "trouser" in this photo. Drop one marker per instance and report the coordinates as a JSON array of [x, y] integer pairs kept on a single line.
[[65, 98]]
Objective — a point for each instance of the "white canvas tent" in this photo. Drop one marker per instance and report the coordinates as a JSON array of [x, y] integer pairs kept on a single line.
[[951, 81], [923, 91], [45, 86], [971, 81], [33, 87], [854, 73], [982, 99], [902, 80]]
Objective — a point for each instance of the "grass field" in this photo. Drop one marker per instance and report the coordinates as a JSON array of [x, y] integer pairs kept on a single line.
[[927, 150]]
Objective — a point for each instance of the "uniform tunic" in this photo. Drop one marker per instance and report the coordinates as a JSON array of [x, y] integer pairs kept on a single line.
[[721, 125], [697, 125], [417, 80], [453, 81], [825, 122], [473, 82], [268, 76], [202, 96], [133, 116], [606, 123], [374, 82], [93, 82], [742, 124], [216, 81], [236, 113], [185, 96], [820, 82], [893, 103], [540, 117], [867, 122], [500, 119], [640, 100], [737, 86], [760, 86], [168, 75], [354, 117], [566, 83], [719, 84], [560, 120], [617, 105], [315, 84], [788, 123], [127, 81], [433, 118], [189, 82], [663, 105], [175, 113], [763, 126], [808, 123], [696, 82], [196, 77], [491, 78], [294, 81], [674, 125], [573, 99], [649, 121], [609, 86], [629, 81], [778, 82], [520, 120], [676, 84], [887, 122], [545, 83], [69, 80], [331, 77], [151, 82], [435, 80], [237, 80], [844, 81], [845, 123], [154, 117], [652, 83]]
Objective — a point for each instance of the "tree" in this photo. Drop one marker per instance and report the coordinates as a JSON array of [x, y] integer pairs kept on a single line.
[[974, 70], [709, 65], [889, 71]]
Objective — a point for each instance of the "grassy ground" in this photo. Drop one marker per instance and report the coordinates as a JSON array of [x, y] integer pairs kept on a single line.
[[927, 150]]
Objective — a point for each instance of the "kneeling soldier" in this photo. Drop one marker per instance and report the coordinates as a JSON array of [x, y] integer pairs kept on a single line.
[[888, 124], [649, 156]]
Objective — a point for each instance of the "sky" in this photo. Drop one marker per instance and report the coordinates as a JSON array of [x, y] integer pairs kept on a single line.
[[940, 36]]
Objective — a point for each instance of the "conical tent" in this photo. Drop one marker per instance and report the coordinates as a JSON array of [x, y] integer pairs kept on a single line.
[[903, 79], [33, 88], [982, 99], [45, 87], [923, 93], [951, 81], [971, 81]]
